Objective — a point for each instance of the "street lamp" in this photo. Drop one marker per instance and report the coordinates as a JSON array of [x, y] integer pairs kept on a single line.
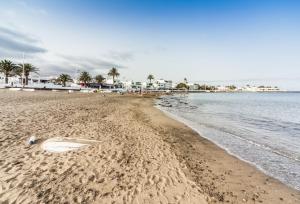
[[23, 74]]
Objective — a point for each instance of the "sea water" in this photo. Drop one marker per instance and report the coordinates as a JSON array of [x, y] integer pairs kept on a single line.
[[260, 128]]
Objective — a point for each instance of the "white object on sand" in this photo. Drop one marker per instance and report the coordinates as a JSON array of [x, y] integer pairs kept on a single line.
[[15, 89], [58, 145], [28, 89], [32, 140]]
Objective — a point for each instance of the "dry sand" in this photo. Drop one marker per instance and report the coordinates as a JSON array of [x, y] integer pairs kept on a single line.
[[142, 156]]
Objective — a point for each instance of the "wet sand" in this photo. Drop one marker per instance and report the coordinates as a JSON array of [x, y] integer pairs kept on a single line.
[[142, 156]]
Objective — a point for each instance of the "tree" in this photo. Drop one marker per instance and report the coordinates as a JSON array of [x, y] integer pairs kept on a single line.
[[85, 77], [99, 78], [207, 87], [231, 87], [7, 68], [63, 78], [28, 68], [182, 86], [150, 77], [114, 73]]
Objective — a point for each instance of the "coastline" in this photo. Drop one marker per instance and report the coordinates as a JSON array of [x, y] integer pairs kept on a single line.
[[191, 125], [143, 156], [246, 183]]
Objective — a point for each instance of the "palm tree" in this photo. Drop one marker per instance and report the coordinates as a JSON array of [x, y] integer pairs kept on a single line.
[[85, 77], [7, 68], [114, 73], [28, 68], [63, 78], [150, 77], [99, 78]]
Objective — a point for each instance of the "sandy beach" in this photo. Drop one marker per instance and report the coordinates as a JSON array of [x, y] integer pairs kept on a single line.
[[141, 155]]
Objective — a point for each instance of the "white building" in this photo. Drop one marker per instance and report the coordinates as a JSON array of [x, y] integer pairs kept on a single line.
[[109, 81], [163, 84], [260, 89], [249, 88], [138, 85], [267, 89], [221, 88], [127, 84], [11, 80], [33, 81], [193, 86]]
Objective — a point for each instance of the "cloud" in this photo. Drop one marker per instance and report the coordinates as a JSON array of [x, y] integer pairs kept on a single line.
[[120, 56], [155, 49], [55, 69], [88, 63], [13, 41], [6, 54], [32, 9], [17, 34], [13, 45], [70, 64], [9, 13]]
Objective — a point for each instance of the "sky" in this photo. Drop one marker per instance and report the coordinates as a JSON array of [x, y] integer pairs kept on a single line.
[[222, 42]]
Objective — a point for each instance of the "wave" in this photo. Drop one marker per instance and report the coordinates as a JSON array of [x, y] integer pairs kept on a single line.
[[181, 110]]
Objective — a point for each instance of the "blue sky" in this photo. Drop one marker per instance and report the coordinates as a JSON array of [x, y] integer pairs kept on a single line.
[[229, 41]]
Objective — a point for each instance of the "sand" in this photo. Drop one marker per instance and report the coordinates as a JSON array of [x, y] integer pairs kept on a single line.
[[142, 156]]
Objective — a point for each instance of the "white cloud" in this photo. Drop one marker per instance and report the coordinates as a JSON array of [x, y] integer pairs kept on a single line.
[[14, 41], [120, 55], [32, 9]]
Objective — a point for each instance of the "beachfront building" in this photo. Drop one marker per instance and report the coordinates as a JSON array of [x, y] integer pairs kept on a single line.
[[193, 86], [109, 81], [11, 80], [145, 85], [221, 88], [110, 84], [168, 84], [163, 84], [267, 89], [127, 85], [33, 81], [230, 88], [41, 80], [131, 85], [44, 82], [138, 85], [174, 85], [149, 85], [249, 88]]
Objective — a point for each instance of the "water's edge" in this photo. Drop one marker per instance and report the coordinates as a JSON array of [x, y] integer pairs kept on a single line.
[[189, 124]]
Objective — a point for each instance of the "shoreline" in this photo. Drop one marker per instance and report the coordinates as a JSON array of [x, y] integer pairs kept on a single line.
[[266, 182], [144, 156], [185, 122]]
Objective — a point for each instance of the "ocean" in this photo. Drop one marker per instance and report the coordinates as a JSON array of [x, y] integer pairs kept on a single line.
[[260, 128]]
